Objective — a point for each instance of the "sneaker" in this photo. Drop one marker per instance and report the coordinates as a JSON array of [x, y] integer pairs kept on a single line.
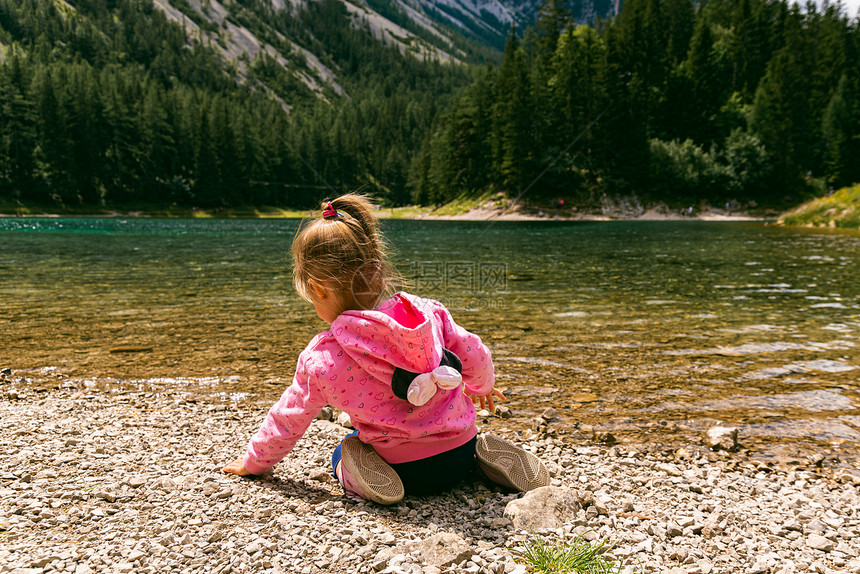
[[510, 465], [366, 474]]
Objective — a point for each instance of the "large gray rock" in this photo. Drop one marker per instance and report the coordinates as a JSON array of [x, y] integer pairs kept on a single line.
[[544, 507], [722, 438], [440, 550]]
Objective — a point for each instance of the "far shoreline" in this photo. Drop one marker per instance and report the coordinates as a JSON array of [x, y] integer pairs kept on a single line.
[[449, 212]]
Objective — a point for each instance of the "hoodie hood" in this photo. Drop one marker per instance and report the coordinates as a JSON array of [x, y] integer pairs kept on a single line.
[[398, 333]]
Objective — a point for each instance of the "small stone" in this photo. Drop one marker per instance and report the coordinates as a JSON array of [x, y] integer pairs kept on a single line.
[[44, 561], [136, 481], [819, 542], [106, 495], [387, 538], [439, 550], [320, 475], [325, 414], [669, 469], [549, 414], [722, 438], [759, 566], [165, 483], [503, 412], [673, 530], [679, 554], [815, 526], [606, 438], [712, 527], [602, 505], [344, 421]]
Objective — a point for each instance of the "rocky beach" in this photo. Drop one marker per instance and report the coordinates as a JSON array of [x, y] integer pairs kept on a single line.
[[111, 480]]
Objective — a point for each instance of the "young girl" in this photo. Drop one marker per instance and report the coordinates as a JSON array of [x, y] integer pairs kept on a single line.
[[406, 374]]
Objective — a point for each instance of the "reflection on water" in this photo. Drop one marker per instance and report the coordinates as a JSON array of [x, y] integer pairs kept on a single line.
[[814, 401], [664, 328]]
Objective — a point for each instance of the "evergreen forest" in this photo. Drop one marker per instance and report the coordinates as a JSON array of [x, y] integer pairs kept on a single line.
[[718, 101], [109, 103]]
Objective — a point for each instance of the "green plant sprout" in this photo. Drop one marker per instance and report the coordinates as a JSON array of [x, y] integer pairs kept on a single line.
[[566, 557]]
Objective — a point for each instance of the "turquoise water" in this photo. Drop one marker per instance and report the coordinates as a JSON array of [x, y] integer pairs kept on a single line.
[[650, 330]]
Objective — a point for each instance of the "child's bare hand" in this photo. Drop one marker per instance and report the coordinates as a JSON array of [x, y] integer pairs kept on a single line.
[[487, 399], [236, 467]]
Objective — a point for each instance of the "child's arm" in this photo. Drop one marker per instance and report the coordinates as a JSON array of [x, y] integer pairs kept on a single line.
[[478, 373], [286, 422]]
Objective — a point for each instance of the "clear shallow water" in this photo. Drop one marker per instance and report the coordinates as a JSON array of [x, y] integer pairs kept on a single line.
[[651, 330]]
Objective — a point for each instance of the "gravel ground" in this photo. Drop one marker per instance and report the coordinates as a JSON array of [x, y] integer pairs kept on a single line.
[[101, 481]]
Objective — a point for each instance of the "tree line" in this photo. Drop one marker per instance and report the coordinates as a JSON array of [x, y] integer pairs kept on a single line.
[[749, 100]]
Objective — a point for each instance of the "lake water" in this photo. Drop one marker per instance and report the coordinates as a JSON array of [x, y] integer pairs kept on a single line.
[[653, 331]]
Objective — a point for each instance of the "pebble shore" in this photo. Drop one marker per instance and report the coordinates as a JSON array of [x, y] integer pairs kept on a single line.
[[97, 481]]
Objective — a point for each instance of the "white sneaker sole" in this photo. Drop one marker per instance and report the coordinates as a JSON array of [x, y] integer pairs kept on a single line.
[[510, 465], [378, 481]]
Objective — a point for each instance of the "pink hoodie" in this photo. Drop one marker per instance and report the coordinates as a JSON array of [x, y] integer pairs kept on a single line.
[[350, 367]]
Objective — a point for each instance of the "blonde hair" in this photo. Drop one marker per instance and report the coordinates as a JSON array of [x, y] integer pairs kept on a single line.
[[344, 252]]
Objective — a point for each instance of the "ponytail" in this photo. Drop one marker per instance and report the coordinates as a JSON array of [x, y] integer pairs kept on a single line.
[[345, 251], [359, 209]]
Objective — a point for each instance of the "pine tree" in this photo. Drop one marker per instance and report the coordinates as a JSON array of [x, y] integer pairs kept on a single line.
[[553, 19], [207, 171], [158, 143], [707, 83], [512, 126], [838, 132], [751, 46], [626, 126], [781, 116], [87, 128], [680, 23], [54, 147], [17, 131], [579, 96]]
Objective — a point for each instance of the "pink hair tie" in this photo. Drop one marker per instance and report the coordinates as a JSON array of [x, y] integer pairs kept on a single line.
[[330, 212]]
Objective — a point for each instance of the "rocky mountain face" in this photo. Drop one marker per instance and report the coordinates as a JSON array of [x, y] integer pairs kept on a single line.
[[441, 30], [489, 21]]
